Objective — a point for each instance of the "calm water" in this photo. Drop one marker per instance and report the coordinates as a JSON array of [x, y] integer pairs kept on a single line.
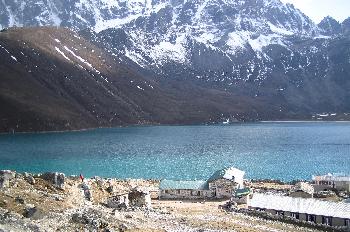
[[264, 150]]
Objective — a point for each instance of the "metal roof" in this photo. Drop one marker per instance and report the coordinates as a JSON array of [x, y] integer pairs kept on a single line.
[[301, 205], [186, 185], [226, 173], [332, 177], [242, 192]]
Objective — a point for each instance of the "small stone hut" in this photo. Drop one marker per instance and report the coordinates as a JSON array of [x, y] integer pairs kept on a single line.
[[140, 197], [118, 201]]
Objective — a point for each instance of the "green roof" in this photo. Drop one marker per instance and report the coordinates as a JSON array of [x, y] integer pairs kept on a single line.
[[242, 192], [188, 185]]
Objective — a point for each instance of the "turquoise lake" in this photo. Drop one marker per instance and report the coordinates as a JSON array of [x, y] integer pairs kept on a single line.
[[285, 151]]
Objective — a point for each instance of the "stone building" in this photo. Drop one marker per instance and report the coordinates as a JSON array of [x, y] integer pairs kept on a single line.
[[140, 197], [222, 184], [119, 201], [311, 210], [302, 189], [331, 181], [170, 189]]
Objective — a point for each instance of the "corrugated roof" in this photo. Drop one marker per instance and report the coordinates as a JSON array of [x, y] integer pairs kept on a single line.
[[301, 205], [332, 177], [226, 173], [189, 185], [242, 192]]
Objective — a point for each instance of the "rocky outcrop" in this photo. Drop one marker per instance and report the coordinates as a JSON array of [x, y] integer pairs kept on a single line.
[[5, 177], [120, 201], [140, 197], [57, 179], [330, 26]]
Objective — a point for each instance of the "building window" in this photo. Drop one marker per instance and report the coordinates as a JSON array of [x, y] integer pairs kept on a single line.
[[327, 221], [295, 215], [311, 218]]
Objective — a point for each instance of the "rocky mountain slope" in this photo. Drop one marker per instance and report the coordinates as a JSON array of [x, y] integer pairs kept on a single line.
[[65, 82], [210, 60]]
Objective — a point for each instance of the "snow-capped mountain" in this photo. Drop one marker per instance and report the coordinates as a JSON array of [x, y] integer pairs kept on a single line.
[[242, 59]]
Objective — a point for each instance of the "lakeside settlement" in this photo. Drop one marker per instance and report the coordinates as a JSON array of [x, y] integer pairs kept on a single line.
[[224, 202]]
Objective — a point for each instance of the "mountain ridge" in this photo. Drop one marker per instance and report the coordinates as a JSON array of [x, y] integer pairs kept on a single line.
[[210, 60]]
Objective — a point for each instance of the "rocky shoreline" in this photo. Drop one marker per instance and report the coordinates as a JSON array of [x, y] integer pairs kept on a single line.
[[55, 202]]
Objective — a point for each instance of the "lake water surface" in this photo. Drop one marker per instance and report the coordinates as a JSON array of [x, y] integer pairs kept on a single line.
[[284, 151]]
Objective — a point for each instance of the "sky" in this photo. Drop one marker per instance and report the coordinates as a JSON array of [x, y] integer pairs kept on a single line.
[[318, 9]]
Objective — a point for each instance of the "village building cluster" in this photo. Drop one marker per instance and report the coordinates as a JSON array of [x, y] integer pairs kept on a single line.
[[298, 204], [222, 184]]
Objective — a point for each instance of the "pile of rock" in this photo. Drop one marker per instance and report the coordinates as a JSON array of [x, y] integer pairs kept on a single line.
[[55, 178], [136, 198], [5, 177]]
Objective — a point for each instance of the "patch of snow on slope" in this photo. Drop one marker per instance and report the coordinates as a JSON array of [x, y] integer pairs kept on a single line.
[[169, 51], [265, 40], [14, 58], [238, 40], [278, 30], [84, 62], [136, 57], [113, 23], [62, 53], [78, 57]]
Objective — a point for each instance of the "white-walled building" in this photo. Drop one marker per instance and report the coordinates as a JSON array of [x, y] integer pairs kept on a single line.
[[331, 181]]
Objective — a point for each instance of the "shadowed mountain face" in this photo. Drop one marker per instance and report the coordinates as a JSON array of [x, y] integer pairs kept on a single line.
[[169, 62], [64, 82], [51, 79]]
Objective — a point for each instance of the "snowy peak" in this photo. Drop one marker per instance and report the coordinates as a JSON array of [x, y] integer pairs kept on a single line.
[[104, 14], [330, 26], [346, 26]]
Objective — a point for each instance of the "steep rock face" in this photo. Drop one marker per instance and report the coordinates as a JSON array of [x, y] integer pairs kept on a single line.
[[346, 27], [330, 26], [65, 82]]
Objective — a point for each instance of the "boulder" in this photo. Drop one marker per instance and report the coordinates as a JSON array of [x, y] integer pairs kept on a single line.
[[140, 198], [87, 192], [57, 179], [110, 189], [91, 218], [33, 213], [29, 178], [20, 200], [118, 202], [5, 177]]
